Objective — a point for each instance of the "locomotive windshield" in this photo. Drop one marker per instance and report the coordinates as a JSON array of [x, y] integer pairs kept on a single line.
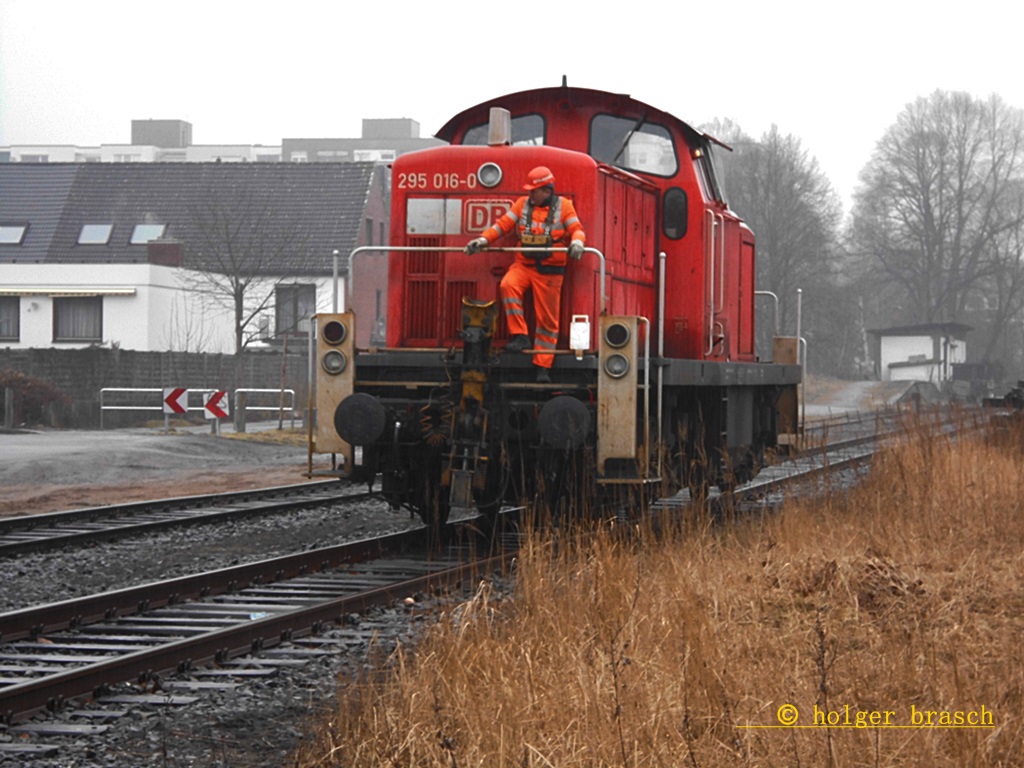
[[633, 144], [526, 130]]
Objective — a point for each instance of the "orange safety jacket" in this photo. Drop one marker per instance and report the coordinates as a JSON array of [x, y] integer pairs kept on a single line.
[[555, 224]]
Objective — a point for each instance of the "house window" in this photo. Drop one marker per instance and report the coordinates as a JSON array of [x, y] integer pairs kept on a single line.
[[12, 234], [296, 304], [143, 233], [95, 234], [10, 318], [78, 318], [369, 231], [374, 155]]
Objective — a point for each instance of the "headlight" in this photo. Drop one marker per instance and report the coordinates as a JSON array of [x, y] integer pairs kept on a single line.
[[489, 175], [334, 332], [616, 365], [334, 362], [617, 335]]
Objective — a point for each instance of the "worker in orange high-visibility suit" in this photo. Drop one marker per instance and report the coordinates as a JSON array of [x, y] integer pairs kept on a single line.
[[542, 219]]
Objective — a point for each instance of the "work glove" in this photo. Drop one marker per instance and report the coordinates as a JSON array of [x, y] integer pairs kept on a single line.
[[576, 250], [476, 245]]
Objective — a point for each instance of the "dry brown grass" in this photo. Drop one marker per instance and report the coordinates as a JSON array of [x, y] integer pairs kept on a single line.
[[657, 651]]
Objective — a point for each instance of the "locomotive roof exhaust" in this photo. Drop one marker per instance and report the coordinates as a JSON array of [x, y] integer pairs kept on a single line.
[[499, 127]]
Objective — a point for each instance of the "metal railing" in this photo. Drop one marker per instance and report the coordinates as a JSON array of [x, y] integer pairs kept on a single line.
[[242, 407], [447, 249], [107, 392]]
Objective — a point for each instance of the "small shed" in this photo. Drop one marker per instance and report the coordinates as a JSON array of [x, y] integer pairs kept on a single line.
[[924, 352]]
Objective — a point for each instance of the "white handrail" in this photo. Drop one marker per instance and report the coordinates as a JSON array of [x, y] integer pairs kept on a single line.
[[449, 249], [712, 226]]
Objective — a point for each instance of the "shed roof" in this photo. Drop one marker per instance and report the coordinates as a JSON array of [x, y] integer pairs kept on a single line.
[[958, 330]]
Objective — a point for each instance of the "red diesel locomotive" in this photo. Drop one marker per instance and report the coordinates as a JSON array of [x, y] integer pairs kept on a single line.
[[656, 383]]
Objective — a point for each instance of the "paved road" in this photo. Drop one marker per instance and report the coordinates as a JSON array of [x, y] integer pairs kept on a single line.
[[92, 456]]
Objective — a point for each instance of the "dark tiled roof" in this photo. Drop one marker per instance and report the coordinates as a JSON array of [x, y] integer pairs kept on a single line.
[[298, 212], [36, 199]]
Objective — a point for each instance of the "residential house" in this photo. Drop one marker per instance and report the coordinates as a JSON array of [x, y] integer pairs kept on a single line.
[[126, 254]]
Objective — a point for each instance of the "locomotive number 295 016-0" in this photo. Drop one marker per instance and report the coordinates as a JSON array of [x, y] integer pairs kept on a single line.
[[436, 181]]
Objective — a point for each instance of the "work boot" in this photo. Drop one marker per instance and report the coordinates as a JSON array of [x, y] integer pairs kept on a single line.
[[518, 343], [543, 377]]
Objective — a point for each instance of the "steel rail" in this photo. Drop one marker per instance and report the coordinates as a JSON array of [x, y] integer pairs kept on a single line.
[[21, 700], [38, 533]]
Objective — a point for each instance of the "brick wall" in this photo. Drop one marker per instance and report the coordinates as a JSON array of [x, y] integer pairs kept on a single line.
[[82, 373]]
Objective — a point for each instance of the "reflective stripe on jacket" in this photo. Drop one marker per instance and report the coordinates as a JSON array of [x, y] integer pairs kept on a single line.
[[537, 226]]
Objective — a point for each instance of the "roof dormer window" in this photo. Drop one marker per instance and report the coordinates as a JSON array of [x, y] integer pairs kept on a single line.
[[95, 234], [12, 234], [143, 233]]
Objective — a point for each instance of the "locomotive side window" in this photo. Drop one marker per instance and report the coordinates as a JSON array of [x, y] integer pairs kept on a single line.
[[526, 130], [675, 210], [634, 144], [705, 165]]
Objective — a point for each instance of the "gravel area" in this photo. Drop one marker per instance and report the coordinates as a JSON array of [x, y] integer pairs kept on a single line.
[[258, 723], [32, 579]]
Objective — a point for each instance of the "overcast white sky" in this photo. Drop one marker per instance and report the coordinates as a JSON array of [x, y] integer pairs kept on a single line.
[[834, 74]]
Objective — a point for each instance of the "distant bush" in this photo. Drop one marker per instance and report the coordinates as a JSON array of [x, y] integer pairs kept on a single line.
[[33, 398]]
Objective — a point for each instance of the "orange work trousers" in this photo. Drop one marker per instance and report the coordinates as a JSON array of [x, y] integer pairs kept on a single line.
[[547, 297]]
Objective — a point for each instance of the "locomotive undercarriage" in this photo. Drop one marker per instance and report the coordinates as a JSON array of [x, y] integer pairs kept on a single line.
[[468, 428], [444, 450]]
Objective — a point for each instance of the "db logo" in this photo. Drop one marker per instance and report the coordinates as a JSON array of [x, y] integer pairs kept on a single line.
[[480, 214]]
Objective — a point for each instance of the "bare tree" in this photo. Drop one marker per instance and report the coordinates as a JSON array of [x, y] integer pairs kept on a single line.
[[235, 259], [186, 328], [1000, 296], [938, 209], [781, 193]]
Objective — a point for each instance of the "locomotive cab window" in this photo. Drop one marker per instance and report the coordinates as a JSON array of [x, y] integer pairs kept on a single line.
[[527, 130], [675, 210], [633, 144], [705, 165]]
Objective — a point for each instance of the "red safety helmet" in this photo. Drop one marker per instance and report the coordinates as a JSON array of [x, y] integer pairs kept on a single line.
[[541, 176]]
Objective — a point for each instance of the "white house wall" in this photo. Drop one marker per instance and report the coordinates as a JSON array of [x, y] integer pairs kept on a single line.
[[162, 313], [899, 349], [145, 320]]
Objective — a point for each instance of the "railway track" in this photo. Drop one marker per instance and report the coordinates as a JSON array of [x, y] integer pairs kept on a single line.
[[43, 532], [53, 654]]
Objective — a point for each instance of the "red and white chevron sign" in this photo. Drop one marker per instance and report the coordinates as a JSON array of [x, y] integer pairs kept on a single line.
[[176, 400], [215, 405]]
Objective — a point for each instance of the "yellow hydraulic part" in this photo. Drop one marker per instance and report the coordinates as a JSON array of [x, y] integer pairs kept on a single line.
[[467, 466]]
